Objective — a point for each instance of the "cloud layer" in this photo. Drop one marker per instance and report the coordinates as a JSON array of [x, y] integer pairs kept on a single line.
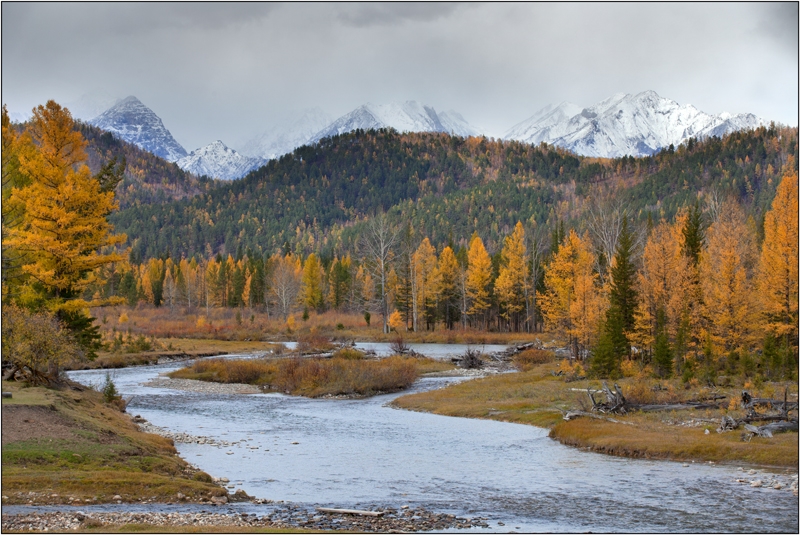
[[228, 70]]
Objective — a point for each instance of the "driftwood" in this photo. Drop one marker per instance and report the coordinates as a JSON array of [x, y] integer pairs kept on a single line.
[[349, 511], [779, 421], [768, 430], [569, 415], [749, 403], [615, 401]]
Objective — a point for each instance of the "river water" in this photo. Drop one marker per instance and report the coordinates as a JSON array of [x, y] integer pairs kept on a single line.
[[362, 454]]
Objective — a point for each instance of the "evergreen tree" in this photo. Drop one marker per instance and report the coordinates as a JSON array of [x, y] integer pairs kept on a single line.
[[694, 235], [623, 295]]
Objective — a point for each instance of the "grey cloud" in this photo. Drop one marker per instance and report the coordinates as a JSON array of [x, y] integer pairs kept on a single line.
[[778, 21], [386, 14]]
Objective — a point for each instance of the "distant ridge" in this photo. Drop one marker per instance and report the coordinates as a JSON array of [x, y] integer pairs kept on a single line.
[[624, 124]]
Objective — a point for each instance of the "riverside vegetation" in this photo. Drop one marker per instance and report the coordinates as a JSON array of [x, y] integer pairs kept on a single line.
[[538, 396]]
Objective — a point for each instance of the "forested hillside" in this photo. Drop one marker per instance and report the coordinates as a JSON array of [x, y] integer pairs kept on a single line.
[[446, 188], [148, 179]]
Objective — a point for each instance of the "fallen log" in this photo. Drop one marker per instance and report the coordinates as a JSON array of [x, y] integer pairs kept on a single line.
[[349, 511], [569, 415], [768, 430], [673, 407]]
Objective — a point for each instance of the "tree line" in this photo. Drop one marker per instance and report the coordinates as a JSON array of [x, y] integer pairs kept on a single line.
[[699, 294]]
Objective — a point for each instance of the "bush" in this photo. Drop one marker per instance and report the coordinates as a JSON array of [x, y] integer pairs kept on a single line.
[[37, 342], [471, 359], [313, 343], [348, 353], [525, 360]]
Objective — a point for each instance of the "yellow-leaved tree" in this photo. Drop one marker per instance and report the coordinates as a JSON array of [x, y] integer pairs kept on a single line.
[[479, 276], [725, 279], [64, 223], [777, 278], [312, 283], [511, 286], [573, 301]]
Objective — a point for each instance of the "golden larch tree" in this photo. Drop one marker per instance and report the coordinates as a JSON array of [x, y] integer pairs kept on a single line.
[[777, 278], [479, 277], [64, 223]]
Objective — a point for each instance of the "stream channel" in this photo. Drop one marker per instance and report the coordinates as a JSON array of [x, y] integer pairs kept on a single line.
[[363, 454]]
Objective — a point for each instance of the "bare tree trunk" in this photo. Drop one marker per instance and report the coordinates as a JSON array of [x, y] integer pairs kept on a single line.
[[377, 243]]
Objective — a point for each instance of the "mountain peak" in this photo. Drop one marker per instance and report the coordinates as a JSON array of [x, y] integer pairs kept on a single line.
[[625, 124], [408, 116], [217, 160], [132, 121]]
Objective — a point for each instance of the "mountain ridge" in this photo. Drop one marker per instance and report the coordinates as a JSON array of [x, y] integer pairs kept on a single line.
[[625, 125]]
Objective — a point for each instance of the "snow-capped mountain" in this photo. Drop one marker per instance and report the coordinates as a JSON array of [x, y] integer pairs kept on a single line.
[[285, 136], [135, 123], [409, 116], [624, 124], [218, 161]]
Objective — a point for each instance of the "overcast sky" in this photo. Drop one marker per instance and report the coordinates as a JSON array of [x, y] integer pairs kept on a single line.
[[226, 70]]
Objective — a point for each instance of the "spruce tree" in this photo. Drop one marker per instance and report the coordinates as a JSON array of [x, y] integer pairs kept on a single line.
[[694, 234], [623, 294]]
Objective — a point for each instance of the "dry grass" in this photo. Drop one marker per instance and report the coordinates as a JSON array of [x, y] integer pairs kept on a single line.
[[536, 397], [255, 325], [103, 455], [525, 360], [344, 374]]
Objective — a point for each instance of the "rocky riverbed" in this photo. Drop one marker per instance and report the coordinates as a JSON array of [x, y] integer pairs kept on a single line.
[[203, 387], [404, 519]]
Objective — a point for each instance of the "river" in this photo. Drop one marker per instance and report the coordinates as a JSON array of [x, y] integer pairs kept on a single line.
[[362, 453]]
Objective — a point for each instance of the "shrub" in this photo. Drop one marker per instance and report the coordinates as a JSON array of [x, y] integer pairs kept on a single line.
[[313, 343], [37, 342], [340, 326], [525, 360], [349, 353], [471, 359]]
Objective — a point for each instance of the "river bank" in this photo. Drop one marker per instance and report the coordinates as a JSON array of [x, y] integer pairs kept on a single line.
[[280, 519], [538, 397], [67, 446]]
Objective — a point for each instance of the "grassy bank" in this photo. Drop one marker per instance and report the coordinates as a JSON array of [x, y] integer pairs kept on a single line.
[[538, 398], [61, 446], [346, 373]]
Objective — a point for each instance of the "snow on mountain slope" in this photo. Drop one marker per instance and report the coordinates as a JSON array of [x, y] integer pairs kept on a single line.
[[285, 136], [624, 124], [219, 161], [409, 116], [454, 123], [135, 123]]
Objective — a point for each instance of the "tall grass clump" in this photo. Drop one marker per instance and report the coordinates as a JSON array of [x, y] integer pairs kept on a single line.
[[311, 377]]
